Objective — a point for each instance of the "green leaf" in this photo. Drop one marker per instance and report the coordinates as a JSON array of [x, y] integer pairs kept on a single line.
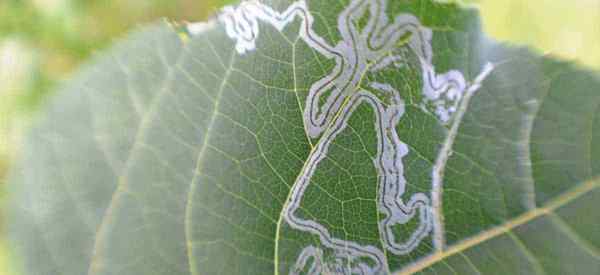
[[355, 137]]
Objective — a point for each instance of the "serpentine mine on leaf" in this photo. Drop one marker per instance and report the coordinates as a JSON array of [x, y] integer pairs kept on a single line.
[[369, 49]]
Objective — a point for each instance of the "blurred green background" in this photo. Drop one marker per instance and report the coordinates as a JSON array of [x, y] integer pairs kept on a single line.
[[43, 41]]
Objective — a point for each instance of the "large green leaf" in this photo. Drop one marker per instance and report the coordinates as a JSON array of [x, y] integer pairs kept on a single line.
[[321, 137]]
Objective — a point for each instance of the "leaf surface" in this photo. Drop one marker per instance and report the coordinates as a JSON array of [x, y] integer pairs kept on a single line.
[[305, 138]]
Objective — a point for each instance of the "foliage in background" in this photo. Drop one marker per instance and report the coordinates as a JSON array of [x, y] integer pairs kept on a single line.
[[567, 29], [47, 39]]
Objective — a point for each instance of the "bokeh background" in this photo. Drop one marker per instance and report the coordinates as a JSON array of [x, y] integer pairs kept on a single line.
[[43, 41]]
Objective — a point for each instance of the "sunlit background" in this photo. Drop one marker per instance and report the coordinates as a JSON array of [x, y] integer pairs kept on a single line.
[[43, 41]]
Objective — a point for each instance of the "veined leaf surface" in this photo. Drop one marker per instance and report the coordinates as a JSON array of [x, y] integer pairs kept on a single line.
[[317, 137]]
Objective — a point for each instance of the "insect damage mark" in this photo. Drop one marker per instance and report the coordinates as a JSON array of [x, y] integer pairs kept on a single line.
[[361, 50]]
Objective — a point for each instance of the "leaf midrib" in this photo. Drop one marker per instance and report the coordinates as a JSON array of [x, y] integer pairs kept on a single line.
[[508, 226]]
